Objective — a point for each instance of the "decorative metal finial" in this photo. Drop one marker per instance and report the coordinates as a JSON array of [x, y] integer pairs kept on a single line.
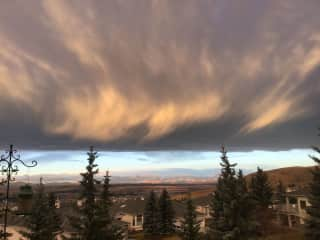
[[10, 159]]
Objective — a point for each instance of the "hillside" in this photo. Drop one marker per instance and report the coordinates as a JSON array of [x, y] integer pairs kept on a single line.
[[300, 176]]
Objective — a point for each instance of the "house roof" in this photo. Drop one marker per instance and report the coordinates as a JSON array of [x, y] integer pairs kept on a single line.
[[137, 206], [202, 201], [130, 206], [298, 192]]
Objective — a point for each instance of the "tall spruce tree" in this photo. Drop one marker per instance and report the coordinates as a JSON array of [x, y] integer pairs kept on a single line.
[[39, 223], [313, 222], [230, 220], [151, 215], [84, 223], [261, 192], [190, 224], [280, 193], [53, 216], [166, 214], [223, 209], [261, 189], [246, 221], [106, 226]]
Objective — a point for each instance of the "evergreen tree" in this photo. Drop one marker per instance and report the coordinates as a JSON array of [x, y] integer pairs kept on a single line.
[[54, 218], [242, 182], [246, 219], [151, 214], [280, 193], [223, 224], [84, 223], [166, 214], [39, 222], [261, 192], [313, 222], [261, 189], [190, 225], [230, 212], [106, 227]]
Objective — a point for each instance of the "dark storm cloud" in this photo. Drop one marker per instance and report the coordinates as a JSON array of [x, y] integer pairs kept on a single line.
[[159, 74]]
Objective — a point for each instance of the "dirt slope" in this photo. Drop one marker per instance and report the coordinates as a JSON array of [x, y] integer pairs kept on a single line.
[[300, 176]]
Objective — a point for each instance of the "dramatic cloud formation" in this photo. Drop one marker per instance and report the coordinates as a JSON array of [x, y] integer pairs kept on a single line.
[[159, 73]]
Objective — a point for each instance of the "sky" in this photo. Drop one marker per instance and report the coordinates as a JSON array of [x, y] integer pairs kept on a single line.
[[161, 163], [160, 76]]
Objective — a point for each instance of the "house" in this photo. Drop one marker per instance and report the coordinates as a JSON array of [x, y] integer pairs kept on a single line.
[[293, 211], [203, 208], [57, 203], [67, 209], [130, 211]]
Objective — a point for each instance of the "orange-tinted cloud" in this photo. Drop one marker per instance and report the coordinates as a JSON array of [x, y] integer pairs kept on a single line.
[[110, 115], [101, 70]]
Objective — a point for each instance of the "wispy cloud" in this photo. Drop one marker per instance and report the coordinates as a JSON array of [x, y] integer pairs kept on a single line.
[[137, 73]]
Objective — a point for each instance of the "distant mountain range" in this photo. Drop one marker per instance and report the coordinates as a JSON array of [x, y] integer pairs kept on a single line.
[[300, 176], [172, 175], [52, 178]]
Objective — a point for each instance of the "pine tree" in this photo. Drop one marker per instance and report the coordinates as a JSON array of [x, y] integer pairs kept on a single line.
[[280, 193], [190, 225], [39, 221], [84, 223], [246, 221], [106, 227], [230, 212], [261, 189], [261, 192], [223, 205], [166, 214], [313, 222], [54, 219], [151, 214]]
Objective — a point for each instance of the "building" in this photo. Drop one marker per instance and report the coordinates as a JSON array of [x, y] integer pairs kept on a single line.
[[293, 211], [130, 211], [203, 209]]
